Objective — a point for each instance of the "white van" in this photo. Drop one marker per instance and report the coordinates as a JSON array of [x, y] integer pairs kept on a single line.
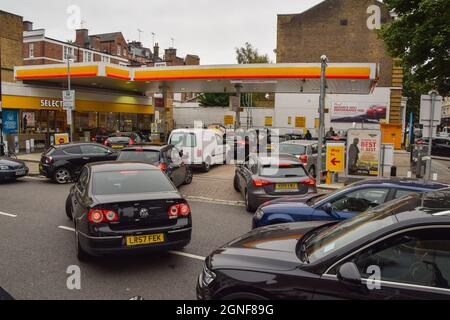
[[201, 147]]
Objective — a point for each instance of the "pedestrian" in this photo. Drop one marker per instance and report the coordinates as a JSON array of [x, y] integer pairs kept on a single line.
[[353, 156], [308, 135], [330, 133]]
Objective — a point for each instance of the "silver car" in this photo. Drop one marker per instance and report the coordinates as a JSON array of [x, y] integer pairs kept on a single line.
[[261, 179], [306, 151]]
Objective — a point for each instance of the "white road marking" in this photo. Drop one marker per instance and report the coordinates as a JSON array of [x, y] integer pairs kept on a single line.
[[66, 228], [178, 253], [187, 255], [215, 201], [34, 178], [8, 215]]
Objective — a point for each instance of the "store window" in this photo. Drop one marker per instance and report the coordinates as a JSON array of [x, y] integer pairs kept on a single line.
[[145, 122], [31, 50], [112, 121], [128, 122]]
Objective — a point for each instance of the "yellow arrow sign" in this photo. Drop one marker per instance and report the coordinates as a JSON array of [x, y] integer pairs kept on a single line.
[[335, 157]]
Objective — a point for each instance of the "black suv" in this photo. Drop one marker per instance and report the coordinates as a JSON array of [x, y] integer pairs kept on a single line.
[[63, 163]]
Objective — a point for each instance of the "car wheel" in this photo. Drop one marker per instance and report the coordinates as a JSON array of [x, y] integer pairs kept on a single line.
[[312, 171], [69, 208], [236, 184], [243, 296], [62, 176], [82, 255], [189, 176], [248, 205], [207, 165]]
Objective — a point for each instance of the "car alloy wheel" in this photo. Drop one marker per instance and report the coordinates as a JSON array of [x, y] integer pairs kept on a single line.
[[62, 176], [189, 176], [207, 165]]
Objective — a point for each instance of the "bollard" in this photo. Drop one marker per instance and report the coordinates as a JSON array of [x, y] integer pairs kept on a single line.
[[328, 178], [393, 171], [27, 146], [32, 145]]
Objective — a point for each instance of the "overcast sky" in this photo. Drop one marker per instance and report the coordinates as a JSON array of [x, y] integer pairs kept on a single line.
[[208, 28]]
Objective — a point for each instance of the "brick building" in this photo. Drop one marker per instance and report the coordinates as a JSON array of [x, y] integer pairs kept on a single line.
[[340, 30], [10, 44]]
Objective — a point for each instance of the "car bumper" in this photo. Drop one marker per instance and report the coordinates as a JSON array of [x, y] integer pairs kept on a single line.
[[13, 174], [107, 245], [257, 198], [46, 170]]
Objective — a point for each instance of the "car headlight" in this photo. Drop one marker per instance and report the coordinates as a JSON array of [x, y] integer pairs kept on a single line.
[[259, 214], [206, 277], [4, 168]]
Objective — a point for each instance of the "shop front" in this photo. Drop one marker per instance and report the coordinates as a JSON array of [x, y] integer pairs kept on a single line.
[[40, 118]]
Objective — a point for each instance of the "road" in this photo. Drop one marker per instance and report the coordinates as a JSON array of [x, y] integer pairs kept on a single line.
[[37, 246]]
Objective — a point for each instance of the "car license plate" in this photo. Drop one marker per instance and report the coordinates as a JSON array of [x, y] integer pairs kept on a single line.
[[117, 146], [286, 187], [20, 173], [143, 240]]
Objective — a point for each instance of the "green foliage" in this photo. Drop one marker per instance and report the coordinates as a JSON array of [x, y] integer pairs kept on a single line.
[[248, 54], [214, 99]]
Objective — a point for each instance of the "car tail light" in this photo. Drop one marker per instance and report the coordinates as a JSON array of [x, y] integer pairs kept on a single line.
[[99, 216], [132, 142], [106, 142], [261, 183], [93, 139], [199, 153], [303, 158], [179, 210], [309, 182], [163, 166]]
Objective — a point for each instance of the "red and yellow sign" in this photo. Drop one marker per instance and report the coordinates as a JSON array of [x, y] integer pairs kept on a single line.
[[336, 157], [61, 138], [56, 72]]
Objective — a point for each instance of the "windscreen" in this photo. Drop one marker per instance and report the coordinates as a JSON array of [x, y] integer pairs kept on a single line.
[[128, 182], [141, 156], [283, 171], [292, 149]]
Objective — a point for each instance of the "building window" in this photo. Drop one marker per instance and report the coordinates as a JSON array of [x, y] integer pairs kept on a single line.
[[106, 59], [31, 50], [68, 52], [344, 22], [87, 56], [119, 50]]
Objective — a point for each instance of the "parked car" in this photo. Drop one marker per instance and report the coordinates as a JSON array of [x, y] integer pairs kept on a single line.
[[168, 158], [12, 169], [400, 250], [376, 112], [127, 207], [201, 147], [261, 179], [307, 151], [440, 146], [341, 204], [63, 163], [120, 140], [99, 136]]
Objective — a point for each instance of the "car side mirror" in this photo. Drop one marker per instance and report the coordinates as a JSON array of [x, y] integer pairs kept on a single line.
[[328, 208], [349, 275]]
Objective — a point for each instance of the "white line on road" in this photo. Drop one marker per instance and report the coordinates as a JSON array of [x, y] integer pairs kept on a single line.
[[178, 253], [8, 215], [215, 201]]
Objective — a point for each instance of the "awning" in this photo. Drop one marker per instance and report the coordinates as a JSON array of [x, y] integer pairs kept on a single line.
[[342, 78]]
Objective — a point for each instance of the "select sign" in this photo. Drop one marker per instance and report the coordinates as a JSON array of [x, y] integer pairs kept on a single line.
[[336, 157]]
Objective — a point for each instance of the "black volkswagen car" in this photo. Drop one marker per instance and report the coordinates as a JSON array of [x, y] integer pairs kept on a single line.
[[63, 163], [11, 169], [127, 207], [168, 158], [399, 250]]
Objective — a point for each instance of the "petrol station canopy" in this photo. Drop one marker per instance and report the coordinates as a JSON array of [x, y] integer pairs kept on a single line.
[[342, 78]]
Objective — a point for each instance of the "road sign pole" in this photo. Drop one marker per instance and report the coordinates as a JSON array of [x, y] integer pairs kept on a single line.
[[433, 95], [69, 112], [323, 85], [238, 107]]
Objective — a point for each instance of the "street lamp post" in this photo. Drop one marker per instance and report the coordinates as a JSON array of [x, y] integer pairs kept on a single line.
[[1, 112], [69, 112], [433, 95], [323, 89]]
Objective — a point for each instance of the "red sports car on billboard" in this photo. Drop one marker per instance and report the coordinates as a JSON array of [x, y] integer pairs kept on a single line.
[[377, 112]]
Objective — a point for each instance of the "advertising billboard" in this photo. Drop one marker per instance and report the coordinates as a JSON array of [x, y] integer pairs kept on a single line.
[[367, 112], [363, 153]]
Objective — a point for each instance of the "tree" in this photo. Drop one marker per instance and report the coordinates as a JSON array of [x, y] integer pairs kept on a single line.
[[420, 37], [248, 54], [214, 99]]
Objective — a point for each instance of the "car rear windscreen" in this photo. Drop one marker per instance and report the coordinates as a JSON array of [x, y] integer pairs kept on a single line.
[[132, 181], [141, 156], [119, 139], [292, 149], [283, 171]]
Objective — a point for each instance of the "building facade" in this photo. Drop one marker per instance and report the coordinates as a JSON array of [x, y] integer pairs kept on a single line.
[[344, 31]]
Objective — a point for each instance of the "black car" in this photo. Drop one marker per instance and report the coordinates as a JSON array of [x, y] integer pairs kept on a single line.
[[440, 146], [11, 169], [4, 295], [63, 163], [120, 140], [399, 250], [127, 207], [168, 158]]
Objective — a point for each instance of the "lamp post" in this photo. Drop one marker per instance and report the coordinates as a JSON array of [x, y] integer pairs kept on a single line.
[[2, 151], [323, 90], [433, 94], [69, 111]]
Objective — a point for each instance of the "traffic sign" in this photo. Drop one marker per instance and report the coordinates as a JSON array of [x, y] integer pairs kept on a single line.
[[300, 122], [336, 157], [228, 120], [69, 100]]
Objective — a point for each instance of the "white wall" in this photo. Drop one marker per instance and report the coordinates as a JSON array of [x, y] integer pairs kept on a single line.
[[307, 105]]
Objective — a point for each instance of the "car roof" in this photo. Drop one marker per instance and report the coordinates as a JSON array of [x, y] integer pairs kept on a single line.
[[120, 166], [67, 145], [301, 142], [403, 182], [148, 147], [282, 157]]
